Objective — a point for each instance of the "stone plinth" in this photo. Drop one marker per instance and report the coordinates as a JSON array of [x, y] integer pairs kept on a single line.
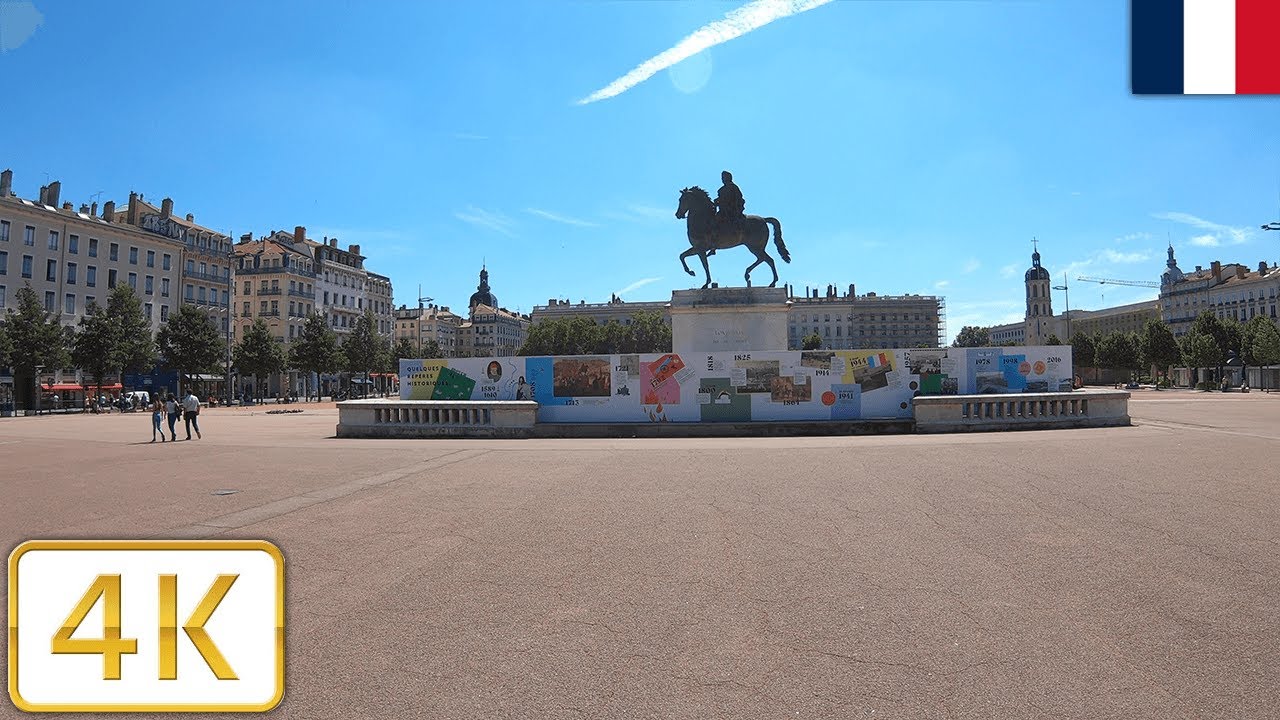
[[436, 418], [1020, 411], [729, 319]]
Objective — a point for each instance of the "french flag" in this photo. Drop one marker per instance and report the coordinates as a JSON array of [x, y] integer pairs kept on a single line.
[[877, 360], [1206, 47]]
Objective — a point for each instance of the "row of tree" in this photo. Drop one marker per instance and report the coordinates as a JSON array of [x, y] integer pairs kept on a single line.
[[118, 339], [1210, 343], [646, 333]]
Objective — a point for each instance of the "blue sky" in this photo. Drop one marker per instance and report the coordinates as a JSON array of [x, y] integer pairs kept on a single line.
[[907, 147]]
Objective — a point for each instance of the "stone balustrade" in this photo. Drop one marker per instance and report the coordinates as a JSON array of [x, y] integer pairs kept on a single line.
[[437, 418], [1022, 411]]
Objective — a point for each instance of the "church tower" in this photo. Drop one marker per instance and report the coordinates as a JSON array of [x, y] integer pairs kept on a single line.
[[1039, 318]]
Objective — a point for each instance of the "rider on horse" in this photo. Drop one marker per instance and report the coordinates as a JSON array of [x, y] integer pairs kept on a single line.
[[730, 203]]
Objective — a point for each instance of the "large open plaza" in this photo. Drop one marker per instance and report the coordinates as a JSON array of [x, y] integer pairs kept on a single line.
[[1120, 572]]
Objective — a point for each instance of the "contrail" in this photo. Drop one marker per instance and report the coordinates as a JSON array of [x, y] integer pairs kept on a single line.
[[736, 23]]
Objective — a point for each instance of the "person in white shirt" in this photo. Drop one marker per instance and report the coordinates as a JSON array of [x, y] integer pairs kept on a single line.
[[191, 411]]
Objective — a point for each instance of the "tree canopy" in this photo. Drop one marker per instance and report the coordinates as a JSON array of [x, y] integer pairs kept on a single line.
[[97, 348], [190, 341], [1083, 350], [646, 333], [812, 341], [972, 336], [259, 354], [137, 347], [36, 336], [1159, 346]]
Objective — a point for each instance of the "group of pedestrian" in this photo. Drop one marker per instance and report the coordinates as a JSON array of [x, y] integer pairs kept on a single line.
[[188, 408]]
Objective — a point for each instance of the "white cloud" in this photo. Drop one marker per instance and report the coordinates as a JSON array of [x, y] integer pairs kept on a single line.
[[941, 284], [1223, 234], [565, 219], [1009, 270], [1204, 241], [18, 22], [636, 285], [970, 265], [1133, 236], [1110, 255], [494, 221], [735, 23]]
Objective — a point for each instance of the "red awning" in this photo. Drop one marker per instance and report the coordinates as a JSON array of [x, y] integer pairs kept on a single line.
[[72, 387]]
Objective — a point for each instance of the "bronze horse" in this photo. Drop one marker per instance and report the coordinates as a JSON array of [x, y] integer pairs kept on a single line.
[[706, 232]]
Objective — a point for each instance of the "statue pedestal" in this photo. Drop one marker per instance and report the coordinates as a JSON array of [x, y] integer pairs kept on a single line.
[[720, 319]]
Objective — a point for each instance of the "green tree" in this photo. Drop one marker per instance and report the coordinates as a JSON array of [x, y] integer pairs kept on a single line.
[[6, 346], [259, 354], [1116, 351], [1248, 334], [1052, 339], [649, 333], [137, 351], [1199, 351], [1083, 350], [811, 342], [430, 350], [190, 341], [315, 350], [97, 349], [1264, 345], [1159, 346], [361, 347], [1208, 324], [38, 340], [972, 336], [404, 350]]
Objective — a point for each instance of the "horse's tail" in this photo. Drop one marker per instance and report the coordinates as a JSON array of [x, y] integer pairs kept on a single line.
[[777, 239]]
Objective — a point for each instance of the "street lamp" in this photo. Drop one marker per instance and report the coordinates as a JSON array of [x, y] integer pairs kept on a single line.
[[1067, 312], [39, 371], [231, 289]]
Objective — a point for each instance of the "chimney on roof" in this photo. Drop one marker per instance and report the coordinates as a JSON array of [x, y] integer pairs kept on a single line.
[[851, 293], [55, 190], [1262, 268], [84, 208], [1216, 267], [1241, 271], [191, 218], [68, 206], [44, 194], [93, 209], [131, 216], [333, 242], [6, 183], [1199, 269], [166, 207], [299, 235], [109, 211], [246, 238], [353, 249]]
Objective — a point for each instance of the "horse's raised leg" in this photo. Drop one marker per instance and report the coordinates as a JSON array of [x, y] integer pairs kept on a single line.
[[687, 253], [772, 267], [705, 268], [751, 267]]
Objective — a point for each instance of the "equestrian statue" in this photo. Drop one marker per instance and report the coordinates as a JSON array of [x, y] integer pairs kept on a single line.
[[710, 231]]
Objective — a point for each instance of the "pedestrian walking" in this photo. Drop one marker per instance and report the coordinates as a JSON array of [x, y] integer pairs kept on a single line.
[[172, 408], [190, 413], [157, 414]]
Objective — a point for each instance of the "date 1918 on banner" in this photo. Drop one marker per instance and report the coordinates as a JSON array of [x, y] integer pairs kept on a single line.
[[146, 625]]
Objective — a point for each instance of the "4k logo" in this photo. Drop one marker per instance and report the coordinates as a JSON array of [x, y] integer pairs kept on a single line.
[[93, 626]]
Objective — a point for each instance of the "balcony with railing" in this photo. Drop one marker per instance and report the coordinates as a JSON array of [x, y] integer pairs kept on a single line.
[[268, 291], [277, 270], [268, 313], [206, 276], [303, 294], [210, 302]]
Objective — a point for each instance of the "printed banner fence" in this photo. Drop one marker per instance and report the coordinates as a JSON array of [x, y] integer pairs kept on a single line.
[[738, 386]]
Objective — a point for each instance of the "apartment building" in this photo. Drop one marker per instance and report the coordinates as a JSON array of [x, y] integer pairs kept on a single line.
[[616, 310], [1229, 291], [73, 258], [850, 321], [276, 281], [431, 322], [207, 265], [490, 330]]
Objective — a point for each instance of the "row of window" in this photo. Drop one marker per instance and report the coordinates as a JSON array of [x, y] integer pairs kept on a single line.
[[73, 246], [864, 317]]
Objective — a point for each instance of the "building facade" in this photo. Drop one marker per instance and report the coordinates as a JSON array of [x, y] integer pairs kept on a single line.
[[616, 310], [73, 258], [852, 321], [431, 322], [1229, 291], [490, 330]]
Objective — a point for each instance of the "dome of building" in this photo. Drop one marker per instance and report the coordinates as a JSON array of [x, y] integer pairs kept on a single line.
[[482, 295], [1036, 272]]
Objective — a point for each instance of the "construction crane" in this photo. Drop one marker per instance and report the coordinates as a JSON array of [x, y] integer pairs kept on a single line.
[[1131, 283], [1109, 281]]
